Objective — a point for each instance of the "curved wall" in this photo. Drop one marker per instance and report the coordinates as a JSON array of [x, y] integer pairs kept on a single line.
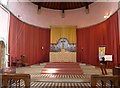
[[47, 17], [105, 34], [30, 41]]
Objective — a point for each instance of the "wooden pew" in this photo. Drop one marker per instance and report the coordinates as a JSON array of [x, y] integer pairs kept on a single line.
[[116, 71], [14, 80], [113, 80]]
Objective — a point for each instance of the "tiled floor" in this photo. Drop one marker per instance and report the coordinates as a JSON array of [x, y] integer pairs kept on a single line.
[[60, 85], [61, 78]]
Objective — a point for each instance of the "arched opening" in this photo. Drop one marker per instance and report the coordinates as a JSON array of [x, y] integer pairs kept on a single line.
[[2, 54]]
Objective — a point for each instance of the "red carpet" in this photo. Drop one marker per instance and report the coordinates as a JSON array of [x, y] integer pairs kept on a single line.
[[62, 68]]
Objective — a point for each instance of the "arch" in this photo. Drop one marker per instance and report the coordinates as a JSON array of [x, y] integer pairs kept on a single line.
[[3, 49]]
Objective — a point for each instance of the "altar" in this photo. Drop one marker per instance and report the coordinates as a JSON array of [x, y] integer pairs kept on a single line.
[[62, 56]]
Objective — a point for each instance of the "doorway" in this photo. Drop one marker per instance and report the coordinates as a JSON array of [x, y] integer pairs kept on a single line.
[[2, 54]]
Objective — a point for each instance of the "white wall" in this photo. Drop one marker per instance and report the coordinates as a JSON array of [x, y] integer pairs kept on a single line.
[[47, 17], [4, 30]]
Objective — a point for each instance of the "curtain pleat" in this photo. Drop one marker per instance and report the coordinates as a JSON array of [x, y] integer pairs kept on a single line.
[[28, 40], [104, 34], [34, 42]]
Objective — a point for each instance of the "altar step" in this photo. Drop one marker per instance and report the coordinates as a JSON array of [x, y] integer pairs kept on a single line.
[[62, 68]]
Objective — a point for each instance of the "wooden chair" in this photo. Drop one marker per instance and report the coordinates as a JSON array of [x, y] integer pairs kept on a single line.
[[16, 80], [9, 70], [113, 80], [14, 62]]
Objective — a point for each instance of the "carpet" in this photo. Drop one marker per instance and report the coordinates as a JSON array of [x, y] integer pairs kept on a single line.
[[62, 68]]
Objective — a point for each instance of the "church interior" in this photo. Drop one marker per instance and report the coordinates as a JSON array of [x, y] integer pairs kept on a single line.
[[59, 44]]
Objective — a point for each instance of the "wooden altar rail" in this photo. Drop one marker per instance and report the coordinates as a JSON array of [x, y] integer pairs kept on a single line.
[[113, 80]]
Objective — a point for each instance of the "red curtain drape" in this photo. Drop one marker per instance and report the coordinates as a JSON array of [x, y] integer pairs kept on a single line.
[[31, 41], [103, 34]]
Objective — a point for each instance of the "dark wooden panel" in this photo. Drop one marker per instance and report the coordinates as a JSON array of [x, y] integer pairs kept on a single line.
[[116, 71]]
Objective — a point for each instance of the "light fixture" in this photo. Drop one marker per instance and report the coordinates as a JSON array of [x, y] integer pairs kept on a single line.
[[107, 15], [38, 11], [87, 9], [4, 2], [63, 14], [20, 17], [39, 7]]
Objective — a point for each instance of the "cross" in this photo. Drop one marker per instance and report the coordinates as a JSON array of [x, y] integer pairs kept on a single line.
[[62, 41]]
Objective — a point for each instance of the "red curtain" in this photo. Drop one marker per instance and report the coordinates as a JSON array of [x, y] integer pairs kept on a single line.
[[31, 41], [103, 34]]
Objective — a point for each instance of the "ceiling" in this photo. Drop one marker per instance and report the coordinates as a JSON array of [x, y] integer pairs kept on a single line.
[[63, 5]]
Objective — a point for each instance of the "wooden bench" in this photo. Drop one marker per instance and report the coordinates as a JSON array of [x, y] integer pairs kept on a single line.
[[112, 80], [15, 80], [116, 71]]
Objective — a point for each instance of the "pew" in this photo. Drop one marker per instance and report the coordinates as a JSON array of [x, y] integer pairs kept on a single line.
[[112, 80], [15, 80], [116, 71]]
